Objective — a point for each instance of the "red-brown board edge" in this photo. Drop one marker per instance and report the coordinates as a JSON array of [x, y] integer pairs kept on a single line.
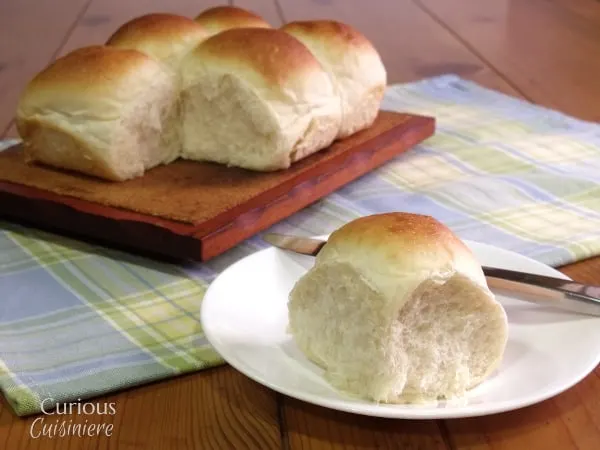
[[330, 177], [127, 232], [163, 238]]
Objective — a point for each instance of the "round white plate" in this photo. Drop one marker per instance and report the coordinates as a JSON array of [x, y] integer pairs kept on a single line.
[[244, 315]]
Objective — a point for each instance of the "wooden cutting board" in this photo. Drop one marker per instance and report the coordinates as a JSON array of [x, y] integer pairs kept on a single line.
[[191, 210]]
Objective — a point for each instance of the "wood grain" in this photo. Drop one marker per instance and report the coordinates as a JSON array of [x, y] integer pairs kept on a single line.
[[310, 427], [569, 421], [542, 46], [411, 43], [103, 17], [215, 409], [267, 9], [22, 52], [587, 271]]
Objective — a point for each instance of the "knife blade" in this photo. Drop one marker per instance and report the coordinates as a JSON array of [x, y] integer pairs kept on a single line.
[[539, 289]]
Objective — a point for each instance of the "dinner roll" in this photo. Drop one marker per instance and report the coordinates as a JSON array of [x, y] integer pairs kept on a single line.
[[255, 98], [165, 37], [100, 111], [354, 64], [221, 18], [396, 309]]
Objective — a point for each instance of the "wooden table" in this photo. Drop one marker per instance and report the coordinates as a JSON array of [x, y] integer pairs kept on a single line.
[[546, 51]]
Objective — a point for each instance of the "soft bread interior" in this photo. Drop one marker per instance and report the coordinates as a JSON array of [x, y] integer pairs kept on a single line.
[[362, 112], [437, 344], [109, 116], [360, 97], [116, 148], [152, 124], [225, 120], [256, 98], [353, 64], [50, 144]]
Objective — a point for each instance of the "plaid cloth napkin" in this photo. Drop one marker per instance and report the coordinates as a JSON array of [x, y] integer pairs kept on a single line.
[[78, 320]]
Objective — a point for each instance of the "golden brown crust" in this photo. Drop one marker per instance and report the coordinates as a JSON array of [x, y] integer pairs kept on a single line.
[[399, 248], [397, 225], [86, 111], [335, 33], [226, 17], [274, 54], [353, 64], [401, 242], [156, 26], [398, 229], [94, 65], [90, 82]]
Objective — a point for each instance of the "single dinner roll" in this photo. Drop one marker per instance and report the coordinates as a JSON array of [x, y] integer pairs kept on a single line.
[[354, 64], [168, 38], [397, 309], [100, 111], [255, 98], [165, 37], [221, 18]]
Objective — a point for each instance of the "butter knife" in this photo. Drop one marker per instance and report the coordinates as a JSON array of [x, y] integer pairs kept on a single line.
[[542, 290]]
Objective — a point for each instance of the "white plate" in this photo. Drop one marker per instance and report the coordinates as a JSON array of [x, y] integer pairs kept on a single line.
[[244, 315]]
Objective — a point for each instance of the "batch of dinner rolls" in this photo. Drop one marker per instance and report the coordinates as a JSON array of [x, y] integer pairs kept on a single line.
[[225, 87]]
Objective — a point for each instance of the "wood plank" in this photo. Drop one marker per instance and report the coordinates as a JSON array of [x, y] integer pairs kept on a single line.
[[310, 427], [412, 45], [586, 271], [543, 46], [217, 408], [568, 421], [104, 17], [195, 210], [28, 42], [267, 9]]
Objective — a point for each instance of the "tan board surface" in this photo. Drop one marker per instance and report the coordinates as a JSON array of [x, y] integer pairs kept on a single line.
[[190, 209]]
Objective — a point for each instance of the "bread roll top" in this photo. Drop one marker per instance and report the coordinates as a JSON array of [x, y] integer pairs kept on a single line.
[[340, 42], [342, 49], [221, 18], [91, 83], [270, 60], [398, 251], [165, 37], [256, 98], [353, 63]]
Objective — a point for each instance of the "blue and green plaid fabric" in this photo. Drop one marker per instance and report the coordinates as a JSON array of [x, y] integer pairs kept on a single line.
[[78, 320]]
